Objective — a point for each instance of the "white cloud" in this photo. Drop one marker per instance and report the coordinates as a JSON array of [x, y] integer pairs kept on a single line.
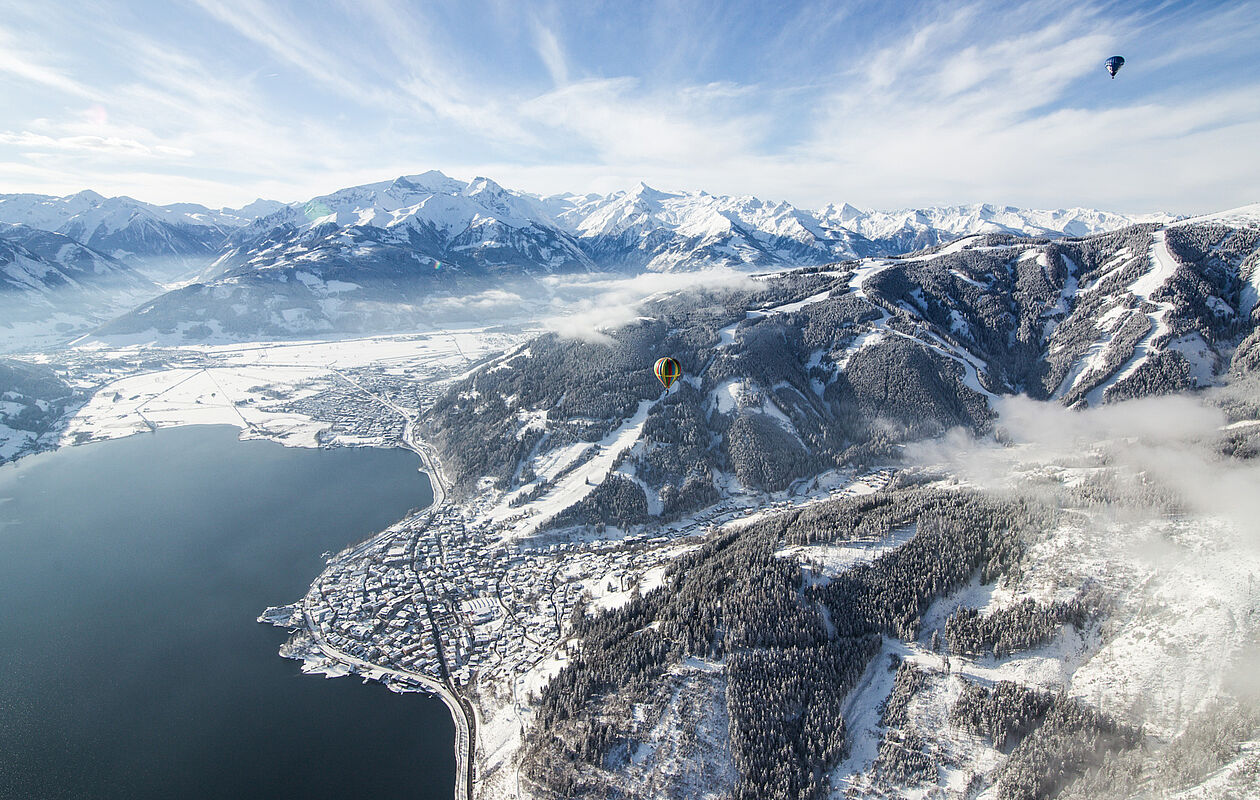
[[985, 102], [588, 307], [25, 67], [548, 47], [1167, 442]]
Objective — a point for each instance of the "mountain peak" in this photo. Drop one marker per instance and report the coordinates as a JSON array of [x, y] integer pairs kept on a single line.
[[434, 181], [482, 184]]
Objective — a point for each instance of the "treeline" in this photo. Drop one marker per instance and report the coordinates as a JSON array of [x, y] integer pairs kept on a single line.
[[1212, 739], [1019, 626], [786, 725], [34, 398], [731, 599], [958, 534], [888, 392], [1212, 261], [616, 501], [1052, 739], [902, 760]]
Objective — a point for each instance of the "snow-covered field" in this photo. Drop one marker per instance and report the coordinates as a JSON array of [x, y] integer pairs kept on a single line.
[[242, 384]]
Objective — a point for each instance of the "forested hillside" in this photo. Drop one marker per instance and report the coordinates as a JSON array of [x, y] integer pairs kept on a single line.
[[816, 369]]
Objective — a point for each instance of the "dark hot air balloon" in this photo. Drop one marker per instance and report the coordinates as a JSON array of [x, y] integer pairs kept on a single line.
[[667, 371], [1113, 65]]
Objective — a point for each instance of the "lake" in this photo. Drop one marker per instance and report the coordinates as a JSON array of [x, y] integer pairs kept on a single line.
[[131, 573]]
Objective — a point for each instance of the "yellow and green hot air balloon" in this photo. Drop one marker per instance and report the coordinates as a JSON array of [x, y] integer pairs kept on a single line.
[[667, 371]]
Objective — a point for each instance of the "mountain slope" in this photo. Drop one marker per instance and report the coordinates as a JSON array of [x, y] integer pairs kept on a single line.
[[914, 229], [478, 227], [162, 240], [820, 368], [52, 287], [901, 640], [33, 401], [646, 229]]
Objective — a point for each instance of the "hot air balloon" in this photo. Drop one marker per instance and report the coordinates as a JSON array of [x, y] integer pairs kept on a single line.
[[1113, 65], [667, 371]]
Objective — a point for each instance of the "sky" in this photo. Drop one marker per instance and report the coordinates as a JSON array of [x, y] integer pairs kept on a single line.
[[881, 105]]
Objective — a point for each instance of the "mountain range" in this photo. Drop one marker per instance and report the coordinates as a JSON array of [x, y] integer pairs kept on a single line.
[[163, 240], [360, 258], [52, 286]]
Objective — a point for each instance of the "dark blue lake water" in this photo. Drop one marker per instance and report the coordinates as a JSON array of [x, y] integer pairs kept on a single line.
[[131, 573]]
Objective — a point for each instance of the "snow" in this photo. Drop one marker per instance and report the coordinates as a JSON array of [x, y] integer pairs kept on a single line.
[[14, 441], [1241, 424], [970, 364], [726, 396], [1249, 298], [578, 483], [1200, 356], [1243, 217], [956, 246], [799, 304], [965, 279], [1238, 779], [726, 335], [245, 379], [686, 752], [1185, 622], [1108, 268], [1163, 265], [862, 340], [861, 712], [832, 559], [866, 270]]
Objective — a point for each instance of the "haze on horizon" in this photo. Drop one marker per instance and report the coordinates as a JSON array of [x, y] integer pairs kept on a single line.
[[223, 101]]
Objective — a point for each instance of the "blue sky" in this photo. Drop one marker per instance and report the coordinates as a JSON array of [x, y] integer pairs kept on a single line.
[[882, 105]]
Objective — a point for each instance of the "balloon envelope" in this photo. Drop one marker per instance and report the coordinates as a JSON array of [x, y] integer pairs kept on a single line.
[[667, 370], [1114, 64]]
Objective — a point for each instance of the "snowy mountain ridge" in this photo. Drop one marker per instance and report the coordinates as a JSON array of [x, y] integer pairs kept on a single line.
[[51, 286], [797, 387], [130, 229], [654, 230], [640, 229]]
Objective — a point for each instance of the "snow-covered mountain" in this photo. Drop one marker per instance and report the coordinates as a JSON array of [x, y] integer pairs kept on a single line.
[[663, 231], [162, 240], [796, 385], [828, 362], [480, 226], [360, 257], [409, 225], [33, 402], [915, 228], [52, 286], [647, 229]]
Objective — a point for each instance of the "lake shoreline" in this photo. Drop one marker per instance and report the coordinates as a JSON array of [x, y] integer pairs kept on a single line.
[[117, 675]]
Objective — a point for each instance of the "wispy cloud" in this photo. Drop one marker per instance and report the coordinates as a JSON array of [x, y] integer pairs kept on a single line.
[[24, 66], [811, 102], [548, 47]]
